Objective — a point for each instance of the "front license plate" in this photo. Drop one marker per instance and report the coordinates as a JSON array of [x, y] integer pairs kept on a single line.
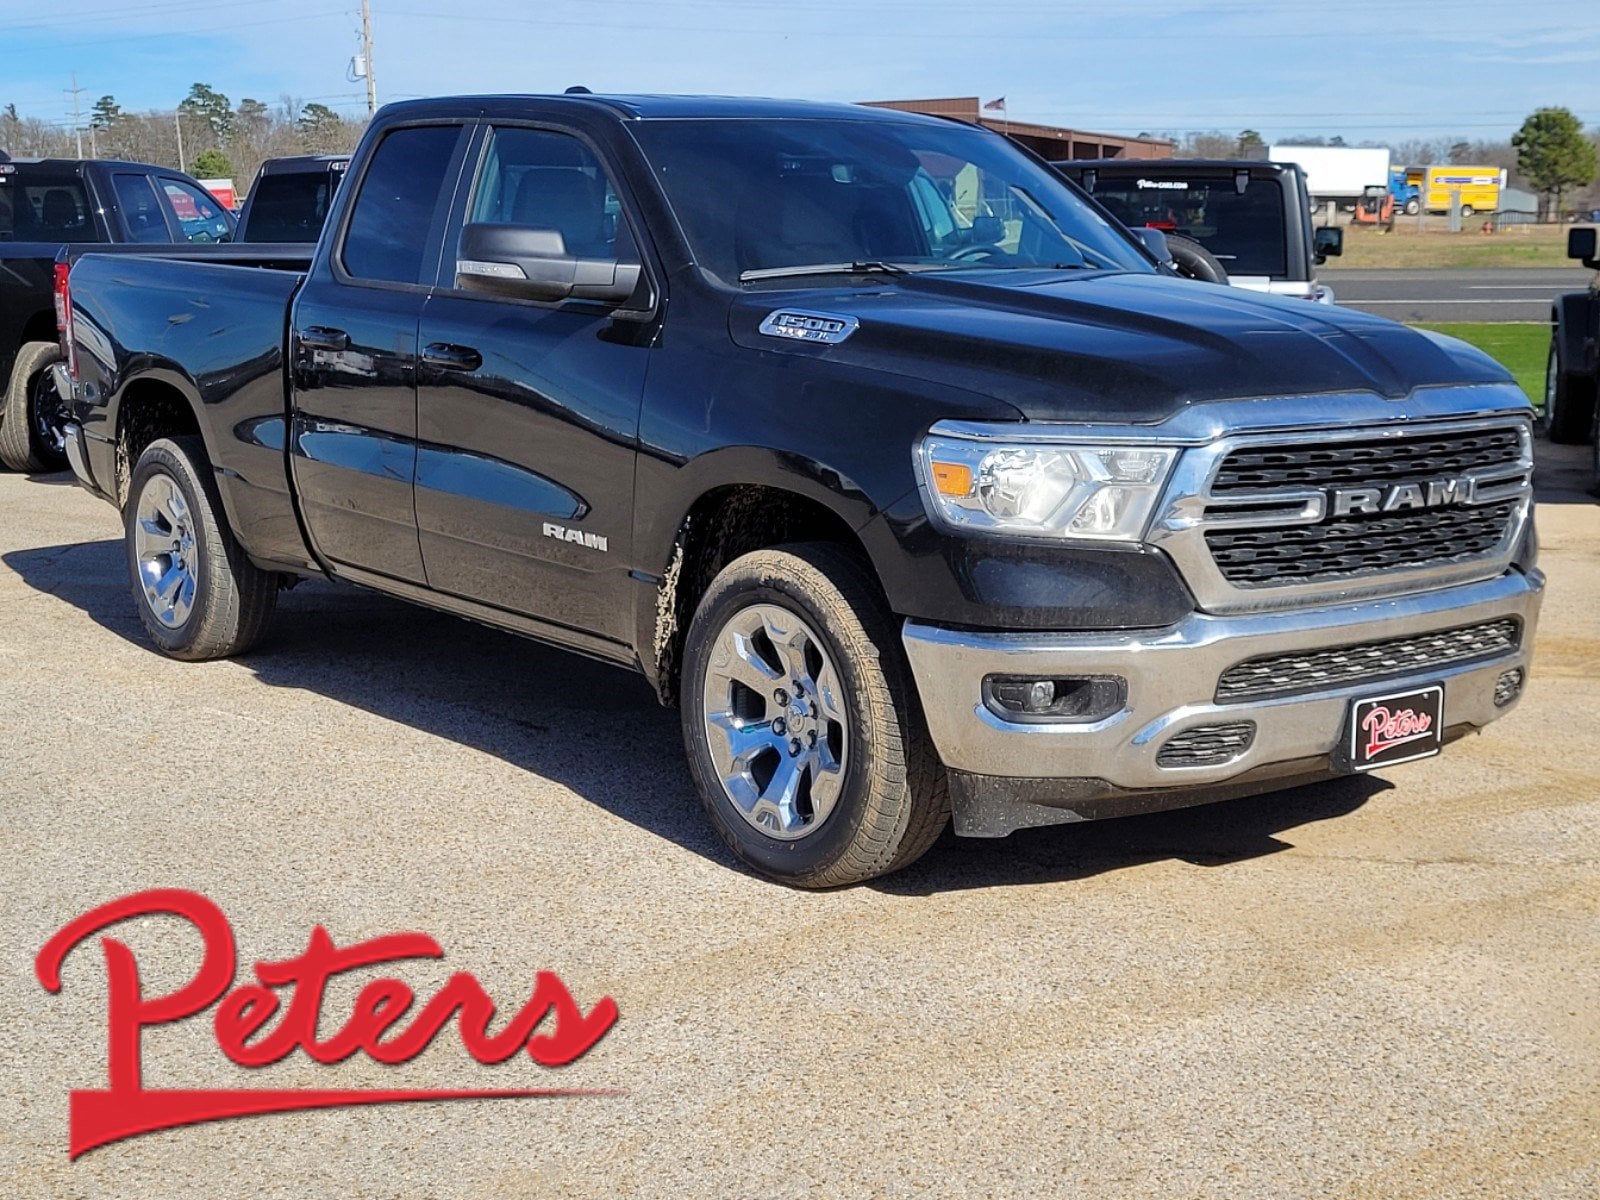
[[1397, 728]]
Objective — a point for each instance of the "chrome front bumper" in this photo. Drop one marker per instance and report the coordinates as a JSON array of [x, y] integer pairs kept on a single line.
[[1172, 678]]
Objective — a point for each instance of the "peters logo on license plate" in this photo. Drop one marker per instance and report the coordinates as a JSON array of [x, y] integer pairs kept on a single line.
[[1394, 729]]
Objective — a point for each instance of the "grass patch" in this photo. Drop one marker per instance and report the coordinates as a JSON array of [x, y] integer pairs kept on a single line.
[[1519, 347], [1519, 246]]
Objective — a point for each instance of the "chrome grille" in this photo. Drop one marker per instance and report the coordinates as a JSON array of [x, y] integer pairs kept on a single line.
[[1207, 745], [1317, 670], [1291, 515]]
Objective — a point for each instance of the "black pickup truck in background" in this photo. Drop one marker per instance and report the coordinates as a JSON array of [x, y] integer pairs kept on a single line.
[[289, 200], [1572, 373], [902, 469], [46, 204]]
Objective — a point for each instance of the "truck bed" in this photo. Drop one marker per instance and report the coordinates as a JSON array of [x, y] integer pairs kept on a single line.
[[212, 325]]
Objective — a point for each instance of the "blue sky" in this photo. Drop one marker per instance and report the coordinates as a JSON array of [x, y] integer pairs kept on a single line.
[[1379, 71]]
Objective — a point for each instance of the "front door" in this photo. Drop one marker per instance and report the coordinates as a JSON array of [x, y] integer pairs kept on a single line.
[[527, 412], [353, 446]]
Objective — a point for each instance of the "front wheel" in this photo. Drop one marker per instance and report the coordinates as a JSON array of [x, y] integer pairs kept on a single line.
[[198, 595], [1467, 210], [802, 724], [1413, 207], [1569, 400], [33, 435]]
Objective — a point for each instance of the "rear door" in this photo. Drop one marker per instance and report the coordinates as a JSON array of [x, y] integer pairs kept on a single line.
[[528, 412], [353, 345]]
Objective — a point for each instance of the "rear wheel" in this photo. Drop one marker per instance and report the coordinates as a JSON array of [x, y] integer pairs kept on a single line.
[[198, 595], [1569, 399], [33, 418], [802, 724]]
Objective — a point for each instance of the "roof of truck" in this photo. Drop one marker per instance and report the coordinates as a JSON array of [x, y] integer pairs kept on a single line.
[[648, 107], [1151, 166]]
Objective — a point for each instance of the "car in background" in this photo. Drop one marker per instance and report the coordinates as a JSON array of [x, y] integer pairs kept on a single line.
[[48, 203], [288, 202], [1252, 217]]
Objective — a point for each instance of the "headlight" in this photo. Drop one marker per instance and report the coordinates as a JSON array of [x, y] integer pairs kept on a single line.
[[1043, 489]]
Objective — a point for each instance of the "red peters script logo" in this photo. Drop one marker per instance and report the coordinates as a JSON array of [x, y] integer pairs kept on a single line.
[[128, 1108], [1385, 729]]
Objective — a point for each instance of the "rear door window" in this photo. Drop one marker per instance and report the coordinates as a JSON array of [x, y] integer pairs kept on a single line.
[[44, 204], [199, 213], [400, 204], [144, 215]]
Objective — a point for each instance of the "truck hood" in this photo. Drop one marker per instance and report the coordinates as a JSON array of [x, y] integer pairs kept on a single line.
[[1113, 347]]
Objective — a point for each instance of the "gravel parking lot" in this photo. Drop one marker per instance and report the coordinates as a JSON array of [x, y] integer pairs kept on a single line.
[[1378, 987]]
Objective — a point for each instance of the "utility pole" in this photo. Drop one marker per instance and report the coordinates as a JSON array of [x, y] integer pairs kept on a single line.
[[77, 129], [177, 123], [366, 55]]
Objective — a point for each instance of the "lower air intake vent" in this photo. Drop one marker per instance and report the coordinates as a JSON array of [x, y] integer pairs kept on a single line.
[[1207, 745]]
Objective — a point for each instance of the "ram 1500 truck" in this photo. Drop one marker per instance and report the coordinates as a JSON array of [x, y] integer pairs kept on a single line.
[[894, 462], [46, 203]]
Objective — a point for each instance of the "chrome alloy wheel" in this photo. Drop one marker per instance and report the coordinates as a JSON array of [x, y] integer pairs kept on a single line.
[[163, 543], [776, 721]]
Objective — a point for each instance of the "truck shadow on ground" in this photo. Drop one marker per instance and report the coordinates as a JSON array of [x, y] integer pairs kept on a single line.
[[599, 731]]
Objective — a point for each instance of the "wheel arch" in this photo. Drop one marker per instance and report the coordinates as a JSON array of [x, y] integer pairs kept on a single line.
[[725, 520], [151, 405]]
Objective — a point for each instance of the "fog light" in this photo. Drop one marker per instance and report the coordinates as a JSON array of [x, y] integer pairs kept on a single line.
[[1074, 699], [1509, 686]]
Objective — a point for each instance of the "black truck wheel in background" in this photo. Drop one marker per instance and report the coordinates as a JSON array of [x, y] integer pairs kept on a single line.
[[1569, 399], [197, 594], [1194, 261], [32, 433], [822, 681]]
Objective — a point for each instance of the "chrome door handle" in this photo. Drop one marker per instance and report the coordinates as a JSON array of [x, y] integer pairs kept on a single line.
[[320, 337], [449, 357]]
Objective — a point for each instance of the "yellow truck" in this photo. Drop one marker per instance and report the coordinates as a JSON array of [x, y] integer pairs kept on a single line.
[[1479, 188]]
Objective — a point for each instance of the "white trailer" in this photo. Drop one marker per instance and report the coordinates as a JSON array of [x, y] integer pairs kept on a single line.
[[1340, 174]]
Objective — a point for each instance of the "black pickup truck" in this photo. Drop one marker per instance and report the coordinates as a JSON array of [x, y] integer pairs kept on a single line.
[[1572, 373], [48, 203], [290, 198], [879, 449]]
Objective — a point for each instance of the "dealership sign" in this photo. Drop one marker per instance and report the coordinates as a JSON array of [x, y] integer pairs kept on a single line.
[[255, 1026]]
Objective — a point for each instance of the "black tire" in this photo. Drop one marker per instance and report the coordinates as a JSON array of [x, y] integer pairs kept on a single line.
[[893, 801], [1569, 400], [1194, 261], [31, 437], [1413, 207], [231, 599]]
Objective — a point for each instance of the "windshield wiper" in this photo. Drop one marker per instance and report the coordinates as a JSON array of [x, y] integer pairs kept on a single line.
[[844, 268]]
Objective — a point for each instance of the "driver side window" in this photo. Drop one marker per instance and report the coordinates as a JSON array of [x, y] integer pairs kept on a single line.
[[546, 180]]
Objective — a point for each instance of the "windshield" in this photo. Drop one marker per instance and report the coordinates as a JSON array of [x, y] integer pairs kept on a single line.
[[1244, 230], [756, 198], [44, 204]]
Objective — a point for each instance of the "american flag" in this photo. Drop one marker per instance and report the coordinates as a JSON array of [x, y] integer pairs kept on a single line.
[[999, 104]]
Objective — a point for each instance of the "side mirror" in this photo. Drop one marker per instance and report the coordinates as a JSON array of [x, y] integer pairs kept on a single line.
[[527, 263], [1581, 245], [986, 231], [1154, 241], [1328, 243]]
